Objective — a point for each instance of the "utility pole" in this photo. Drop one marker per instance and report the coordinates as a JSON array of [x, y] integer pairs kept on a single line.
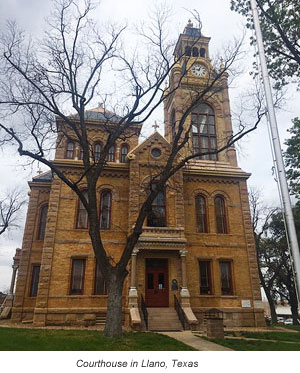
[[287, 206]]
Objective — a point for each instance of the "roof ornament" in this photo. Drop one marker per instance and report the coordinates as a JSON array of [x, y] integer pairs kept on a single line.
[[222, 66], [155, 126], [189, 24]]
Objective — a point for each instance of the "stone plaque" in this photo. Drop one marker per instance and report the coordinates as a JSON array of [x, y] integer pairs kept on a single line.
[[246, 303]]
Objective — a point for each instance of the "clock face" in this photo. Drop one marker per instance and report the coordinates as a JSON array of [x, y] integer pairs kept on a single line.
[[198, 70]]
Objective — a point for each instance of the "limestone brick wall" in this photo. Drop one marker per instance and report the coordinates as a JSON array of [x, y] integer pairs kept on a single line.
[[30, 254]]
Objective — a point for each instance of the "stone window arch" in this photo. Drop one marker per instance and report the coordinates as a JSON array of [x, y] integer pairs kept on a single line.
[[201, 213], [195, 52], [220, 214]]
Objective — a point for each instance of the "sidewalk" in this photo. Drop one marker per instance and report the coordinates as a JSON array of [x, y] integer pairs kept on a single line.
[[192, 340]]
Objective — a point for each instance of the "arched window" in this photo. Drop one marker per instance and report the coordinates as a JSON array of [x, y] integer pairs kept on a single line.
[[105, 209], [42, 222], [173, 124], [124, 152], [70, 150], [187, 51], [111, 154], [82, 215], [195, 52], [202, 52], [201, 217], [97, 151], [220, 215], [157, 215], [204, 131]]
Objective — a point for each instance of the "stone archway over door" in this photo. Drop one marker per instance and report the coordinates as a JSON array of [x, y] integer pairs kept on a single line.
[[157, 282]]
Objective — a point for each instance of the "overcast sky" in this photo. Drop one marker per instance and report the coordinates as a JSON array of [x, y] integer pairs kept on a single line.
[[220, 24]]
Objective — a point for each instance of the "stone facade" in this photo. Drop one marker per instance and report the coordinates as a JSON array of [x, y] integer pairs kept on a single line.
[[177, 244]]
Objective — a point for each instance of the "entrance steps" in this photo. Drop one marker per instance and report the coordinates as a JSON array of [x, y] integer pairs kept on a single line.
[[163, 319]]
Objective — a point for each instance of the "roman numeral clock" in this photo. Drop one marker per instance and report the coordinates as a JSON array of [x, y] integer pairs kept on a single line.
[[198, 70]]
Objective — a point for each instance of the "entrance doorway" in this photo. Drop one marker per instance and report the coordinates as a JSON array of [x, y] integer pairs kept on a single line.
[[157, 283]]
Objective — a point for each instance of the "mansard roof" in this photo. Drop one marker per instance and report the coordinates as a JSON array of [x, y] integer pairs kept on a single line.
[[99, 113], [44, 177]]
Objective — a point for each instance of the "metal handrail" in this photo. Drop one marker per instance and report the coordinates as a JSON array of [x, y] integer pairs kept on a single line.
[[144, 310], [180, 312]]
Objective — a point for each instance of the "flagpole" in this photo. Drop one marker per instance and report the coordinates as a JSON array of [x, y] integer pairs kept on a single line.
[[287, 206]]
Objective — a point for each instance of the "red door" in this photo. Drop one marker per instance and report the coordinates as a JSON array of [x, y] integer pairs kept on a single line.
[[157, 283]]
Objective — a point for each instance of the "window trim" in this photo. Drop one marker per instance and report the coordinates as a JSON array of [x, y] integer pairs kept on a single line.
[[34, 265], [114, 154], [230, 262], [224, 217], [208, 135], [195, 52], [123, 146], [77, 213], [205, 213], [209, 261], [101, 146], [83, 275], [67, 150], [44, 205], [110, 208], [165, 207]]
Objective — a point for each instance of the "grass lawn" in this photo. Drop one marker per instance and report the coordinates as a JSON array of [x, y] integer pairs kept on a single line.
[[14, 339], [275, 336], [264, 341], [292, 327]]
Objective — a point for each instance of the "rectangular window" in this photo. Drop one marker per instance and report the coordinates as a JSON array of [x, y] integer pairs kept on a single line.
[[77, 276], [99, 287], [205, 277], [35, 280], [226, 277]]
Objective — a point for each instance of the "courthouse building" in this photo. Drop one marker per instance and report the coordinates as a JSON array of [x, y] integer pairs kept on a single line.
[[197, 246]]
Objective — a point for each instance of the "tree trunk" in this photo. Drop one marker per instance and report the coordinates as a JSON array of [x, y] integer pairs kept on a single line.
[[294, 306], [113, 326], [272, 306]]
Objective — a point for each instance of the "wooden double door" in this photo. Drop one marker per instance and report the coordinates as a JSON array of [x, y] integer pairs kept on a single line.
[[157, 282]]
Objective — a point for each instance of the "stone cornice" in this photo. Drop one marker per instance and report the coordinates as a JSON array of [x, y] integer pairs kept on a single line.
[[216, 169]]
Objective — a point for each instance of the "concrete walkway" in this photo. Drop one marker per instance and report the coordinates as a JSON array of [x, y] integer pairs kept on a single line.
[[192, 340]]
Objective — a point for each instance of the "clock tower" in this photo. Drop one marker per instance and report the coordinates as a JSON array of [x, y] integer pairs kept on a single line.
[[211, 120]]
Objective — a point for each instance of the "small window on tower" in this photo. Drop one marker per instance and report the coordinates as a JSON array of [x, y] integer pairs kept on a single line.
[[188, 51], [202, 52], [195, 52]]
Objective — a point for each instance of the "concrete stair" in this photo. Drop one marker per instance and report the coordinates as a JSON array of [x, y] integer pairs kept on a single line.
[[163, 319]]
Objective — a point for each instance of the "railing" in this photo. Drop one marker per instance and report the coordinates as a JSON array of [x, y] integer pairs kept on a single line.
[[179, 311], [144, 310]]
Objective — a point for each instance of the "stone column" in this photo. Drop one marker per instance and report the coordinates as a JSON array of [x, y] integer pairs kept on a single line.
[[13, 279], [133, 295], [184, 292]]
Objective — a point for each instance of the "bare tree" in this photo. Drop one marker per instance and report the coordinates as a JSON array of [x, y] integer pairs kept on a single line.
[[41, 83], [267, 257], [10, 206]]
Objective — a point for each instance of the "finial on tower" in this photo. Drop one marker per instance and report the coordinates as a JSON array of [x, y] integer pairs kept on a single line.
[[155, 126], [189, 24]]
